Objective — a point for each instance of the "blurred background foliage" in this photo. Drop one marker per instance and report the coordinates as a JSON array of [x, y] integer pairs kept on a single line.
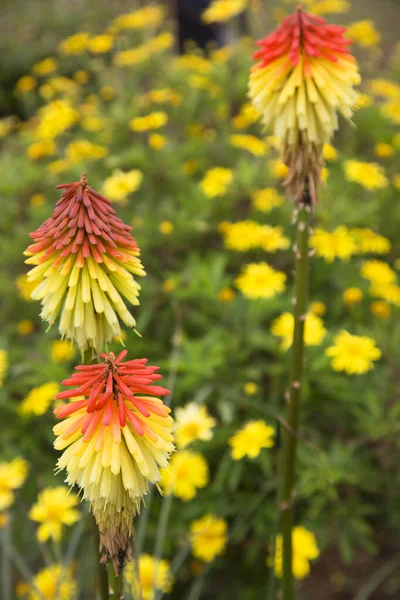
[[210, 340]]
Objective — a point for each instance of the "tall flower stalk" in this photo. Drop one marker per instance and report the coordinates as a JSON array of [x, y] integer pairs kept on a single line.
[[303, 77]]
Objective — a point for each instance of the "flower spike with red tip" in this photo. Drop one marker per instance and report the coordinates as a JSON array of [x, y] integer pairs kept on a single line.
[[303, 77], [117, 436], [85, 261]]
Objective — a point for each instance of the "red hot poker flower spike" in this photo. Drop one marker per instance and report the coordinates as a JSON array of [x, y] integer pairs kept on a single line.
[[117, 436], [85, 260]]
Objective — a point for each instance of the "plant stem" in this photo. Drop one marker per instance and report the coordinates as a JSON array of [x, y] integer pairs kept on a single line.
[[300, 300], [6, 570], [160, 537], [102, 577], [116, 583]]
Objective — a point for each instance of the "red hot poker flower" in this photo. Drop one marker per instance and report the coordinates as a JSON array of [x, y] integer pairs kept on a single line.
[[304, 75], [118, 437], [85, 260]]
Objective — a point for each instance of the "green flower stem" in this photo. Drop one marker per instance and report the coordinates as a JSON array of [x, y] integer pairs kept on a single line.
[[116, 583], [300, 300], [102, 576], [160, 537], [6, 570]]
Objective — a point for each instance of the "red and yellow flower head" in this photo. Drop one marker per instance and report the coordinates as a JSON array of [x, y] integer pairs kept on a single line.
[[117, 436], [85, 261], [304, 76]]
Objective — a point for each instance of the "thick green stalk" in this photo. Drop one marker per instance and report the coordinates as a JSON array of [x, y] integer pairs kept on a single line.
[[102, 577], [116, 583], [290, 431]]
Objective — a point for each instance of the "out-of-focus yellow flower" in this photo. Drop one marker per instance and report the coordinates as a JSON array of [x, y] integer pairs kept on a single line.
[[304, 549], [81, 76], [380, 309], [154, 120], [250, 439], [75, 44], [250, 143], [80, 150], [161, 96], [378, 273], [7, 125], [62, 350], [241, 236], [120, 184], [12, 477], [187, 472], [226, 295], [190, 166], [250, 388], [58, 166], [323, 7], [396, 180], [247, 115], [93, 123], [391, 110], [353, 354], [54, 508], [390, 293], [266, 199], [352, 295], [260, 280], [223, 10], [100, 44], [370, 175], [4, 519], [133, 56], [283, 327], [166, 227], [38, 150], [364, 33], [168, 286], [278, 169], [148, 16], [45, 67], [329, 152], [38, 400], [157, 141], [192, 422], [208, 537], [153, 575], [336, 244], [216, 181], [107, 92], [369, 241], [245, 235], [25, 287], [384, 150], [221, 55], [25, 327], [55, 118], [193, 62], [37, 200], [25, 84], [318, 308], [385, 88], [55, 582], [3, 365]]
